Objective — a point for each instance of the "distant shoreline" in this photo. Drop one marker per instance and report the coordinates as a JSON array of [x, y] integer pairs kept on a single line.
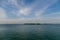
[[32, 24]]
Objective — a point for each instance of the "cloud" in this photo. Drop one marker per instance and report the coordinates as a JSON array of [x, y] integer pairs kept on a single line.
[[51, 18], [24, 11], [39, 4], [2, 13], [14, 2], [53, 15], [19, 21], [37, 9], [44, 7], [50, 21]]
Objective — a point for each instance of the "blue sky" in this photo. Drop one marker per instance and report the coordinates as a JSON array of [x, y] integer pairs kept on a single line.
[[43, 11]]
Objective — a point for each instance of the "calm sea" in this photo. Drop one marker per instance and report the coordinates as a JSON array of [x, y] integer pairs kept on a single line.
[[29, 32]]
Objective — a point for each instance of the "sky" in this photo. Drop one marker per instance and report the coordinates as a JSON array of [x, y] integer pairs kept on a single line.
[[29, 11]]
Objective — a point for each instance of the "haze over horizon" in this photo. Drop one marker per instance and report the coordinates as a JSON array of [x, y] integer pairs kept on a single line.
[[29, 11]]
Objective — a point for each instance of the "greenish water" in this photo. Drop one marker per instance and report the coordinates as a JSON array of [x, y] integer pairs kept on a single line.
[[29, 32]]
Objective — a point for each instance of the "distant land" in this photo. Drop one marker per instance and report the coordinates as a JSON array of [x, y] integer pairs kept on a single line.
[[39, 23], [30, 24]]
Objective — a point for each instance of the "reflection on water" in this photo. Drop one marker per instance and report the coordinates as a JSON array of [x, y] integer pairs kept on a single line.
[[29, 32]]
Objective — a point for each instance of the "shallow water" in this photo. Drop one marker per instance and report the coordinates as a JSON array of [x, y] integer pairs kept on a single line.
[[29, 32]]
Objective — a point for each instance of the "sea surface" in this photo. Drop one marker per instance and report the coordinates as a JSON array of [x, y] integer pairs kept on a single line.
[[29, 32]]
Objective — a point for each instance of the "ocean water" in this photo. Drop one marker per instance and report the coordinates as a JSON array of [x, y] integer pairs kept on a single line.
[[29, 32]]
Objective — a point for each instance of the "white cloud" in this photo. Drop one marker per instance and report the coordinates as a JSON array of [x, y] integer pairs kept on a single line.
[[13, 2], [44, 7], [19, 21], [10, 2], [51, 18], [24, 11], [53, 15], [2, 13], [56, 20], [21, 10]]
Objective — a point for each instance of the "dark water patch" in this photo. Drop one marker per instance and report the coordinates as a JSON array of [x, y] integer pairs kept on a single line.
[[29, 32]]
